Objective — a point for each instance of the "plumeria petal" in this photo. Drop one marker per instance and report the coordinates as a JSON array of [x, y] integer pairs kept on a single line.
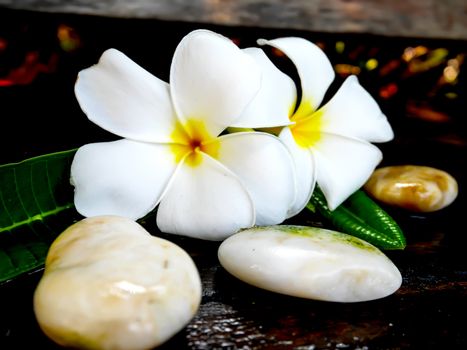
[[124, 177], [314, 69], [276, 99], [205, 201], [305, 172], [123, 98], [353, 112], [265, 167], [343, 165], [212, 80]]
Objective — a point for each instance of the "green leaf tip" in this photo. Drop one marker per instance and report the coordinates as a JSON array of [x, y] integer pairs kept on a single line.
[[361, 217]]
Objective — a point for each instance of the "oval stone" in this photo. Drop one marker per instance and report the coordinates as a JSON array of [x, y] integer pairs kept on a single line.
[[309, 262], [413, 187], [109, 284]]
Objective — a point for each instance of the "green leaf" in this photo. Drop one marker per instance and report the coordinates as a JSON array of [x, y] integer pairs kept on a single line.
[[36, 204], [361, 217]]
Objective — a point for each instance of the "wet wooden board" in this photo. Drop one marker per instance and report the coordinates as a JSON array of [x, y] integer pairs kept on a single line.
[[412, 18]]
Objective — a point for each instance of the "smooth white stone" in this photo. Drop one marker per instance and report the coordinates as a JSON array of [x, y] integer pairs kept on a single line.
[[109, 284], [310, 263]]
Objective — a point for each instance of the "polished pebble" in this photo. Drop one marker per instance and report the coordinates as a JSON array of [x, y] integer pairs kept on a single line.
[[413, 187], [309, 262], [109, 284]]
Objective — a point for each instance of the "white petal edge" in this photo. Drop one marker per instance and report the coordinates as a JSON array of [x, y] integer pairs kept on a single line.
[[126, 100], [276, 99], [353, 112], [264, 165], [343, 166], [305, 172], [212, 80], [313, 66], [124, 178], [205, 201]]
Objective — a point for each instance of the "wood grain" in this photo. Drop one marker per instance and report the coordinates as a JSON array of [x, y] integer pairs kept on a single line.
[[408, 18]]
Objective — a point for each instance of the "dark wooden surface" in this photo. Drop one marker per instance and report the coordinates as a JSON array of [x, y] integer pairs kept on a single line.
[[428, 116], [412, 18]]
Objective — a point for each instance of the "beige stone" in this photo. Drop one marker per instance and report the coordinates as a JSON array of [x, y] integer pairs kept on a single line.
[[413, 187], [109, 284]]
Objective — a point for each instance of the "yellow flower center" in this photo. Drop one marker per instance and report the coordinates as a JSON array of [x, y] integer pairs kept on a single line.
[[190, 139], [307, 128]]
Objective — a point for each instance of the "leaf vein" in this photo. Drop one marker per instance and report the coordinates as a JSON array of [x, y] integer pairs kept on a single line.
[[37, 217], [6, 207], [20, 200], [49, 185]]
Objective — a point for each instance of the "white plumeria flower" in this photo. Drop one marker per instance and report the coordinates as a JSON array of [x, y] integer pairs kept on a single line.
[[330, 144], [207, 186]]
